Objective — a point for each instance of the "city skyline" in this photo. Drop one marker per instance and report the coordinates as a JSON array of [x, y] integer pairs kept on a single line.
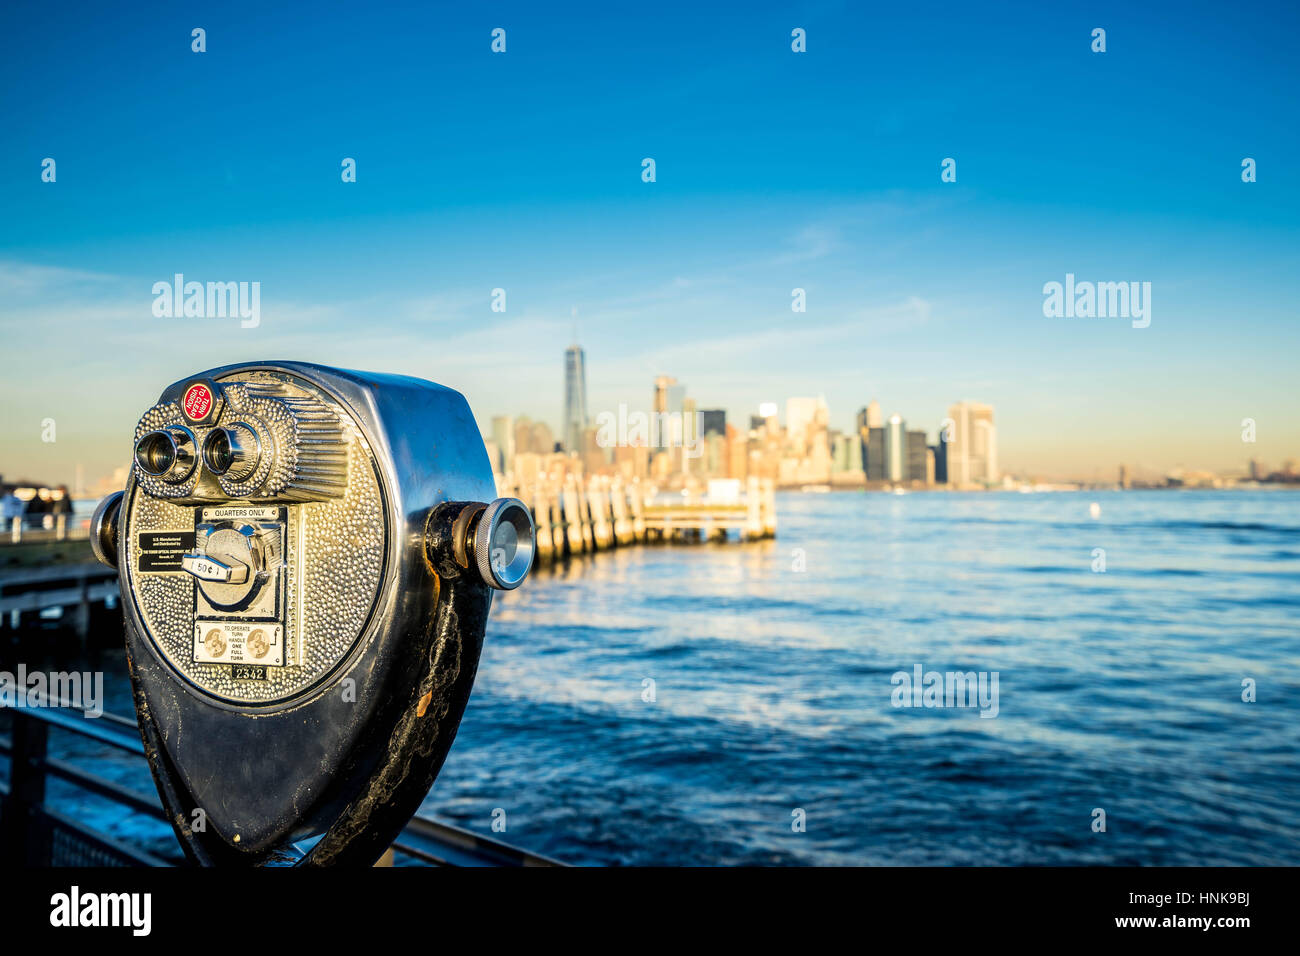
[[817, 173], [673, 440], [669, 395]]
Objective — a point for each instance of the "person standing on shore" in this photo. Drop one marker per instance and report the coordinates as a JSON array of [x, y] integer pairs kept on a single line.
[[11, 506]]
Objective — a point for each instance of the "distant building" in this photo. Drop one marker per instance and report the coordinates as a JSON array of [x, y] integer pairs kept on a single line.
[[806, 459], [595, 459], [632, 461], [895, 449], [803, 418], [668, 405], [668, 394], [940, 451], [917, 457], [503, 436], [846, 453], [575, 398], [846, 460], [871, 415], [973, 447], [737, 453], [532, 437], [713, 421], [691, 439], [875, 464]]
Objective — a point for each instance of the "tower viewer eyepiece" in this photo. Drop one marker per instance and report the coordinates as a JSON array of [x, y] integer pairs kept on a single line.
[[166, 453], [233, 452]]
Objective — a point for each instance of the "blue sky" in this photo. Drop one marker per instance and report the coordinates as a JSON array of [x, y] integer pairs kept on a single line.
[[775, 170]]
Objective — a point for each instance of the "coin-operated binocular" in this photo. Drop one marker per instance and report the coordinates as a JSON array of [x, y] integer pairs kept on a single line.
[[306, 557]]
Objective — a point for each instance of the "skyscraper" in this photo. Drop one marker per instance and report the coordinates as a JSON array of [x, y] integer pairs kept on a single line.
[[668, 395], [575, 398], [940, 449], [713, 421], [669, 411], [895, 449], [801, 414], [873, 418], [690, 434], [918, 467], [503, 435], [875, 455], [973, 445], [846, 453]]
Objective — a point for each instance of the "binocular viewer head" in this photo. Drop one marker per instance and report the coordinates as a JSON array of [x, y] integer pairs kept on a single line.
[[170, 454], [306, 557]]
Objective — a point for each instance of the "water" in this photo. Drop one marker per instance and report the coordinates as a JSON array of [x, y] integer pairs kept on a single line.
[[1118, 690], [772, 689]]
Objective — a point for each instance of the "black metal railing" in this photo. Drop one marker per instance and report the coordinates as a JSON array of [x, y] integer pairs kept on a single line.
[[34, 834]]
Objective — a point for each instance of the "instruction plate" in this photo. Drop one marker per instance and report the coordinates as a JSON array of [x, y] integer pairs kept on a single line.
[[238, 642]]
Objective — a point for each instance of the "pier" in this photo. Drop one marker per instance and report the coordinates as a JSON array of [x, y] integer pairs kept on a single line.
[[577, 516]]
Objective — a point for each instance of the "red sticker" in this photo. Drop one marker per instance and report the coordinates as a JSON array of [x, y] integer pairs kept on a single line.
[[197, 402]]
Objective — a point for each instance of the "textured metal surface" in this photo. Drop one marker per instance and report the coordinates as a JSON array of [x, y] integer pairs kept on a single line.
[[332, 564]]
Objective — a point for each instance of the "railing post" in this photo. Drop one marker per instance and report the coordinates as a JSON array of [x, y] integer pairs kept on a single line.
[[81, 619], [23, 839]]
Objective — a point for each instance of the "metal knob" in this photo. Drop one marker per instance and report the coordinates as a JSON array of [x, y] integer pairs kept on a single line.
[[103, 529], [504, 544], [232, 561]]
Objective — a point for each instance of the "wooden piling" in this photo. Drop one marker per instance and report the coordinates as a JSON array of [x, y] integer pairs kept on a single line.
[[637, 503], [575, 515], [623, 533], [572, 523], [541, 509], [753, 509], [598, 502], [769, 508]]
